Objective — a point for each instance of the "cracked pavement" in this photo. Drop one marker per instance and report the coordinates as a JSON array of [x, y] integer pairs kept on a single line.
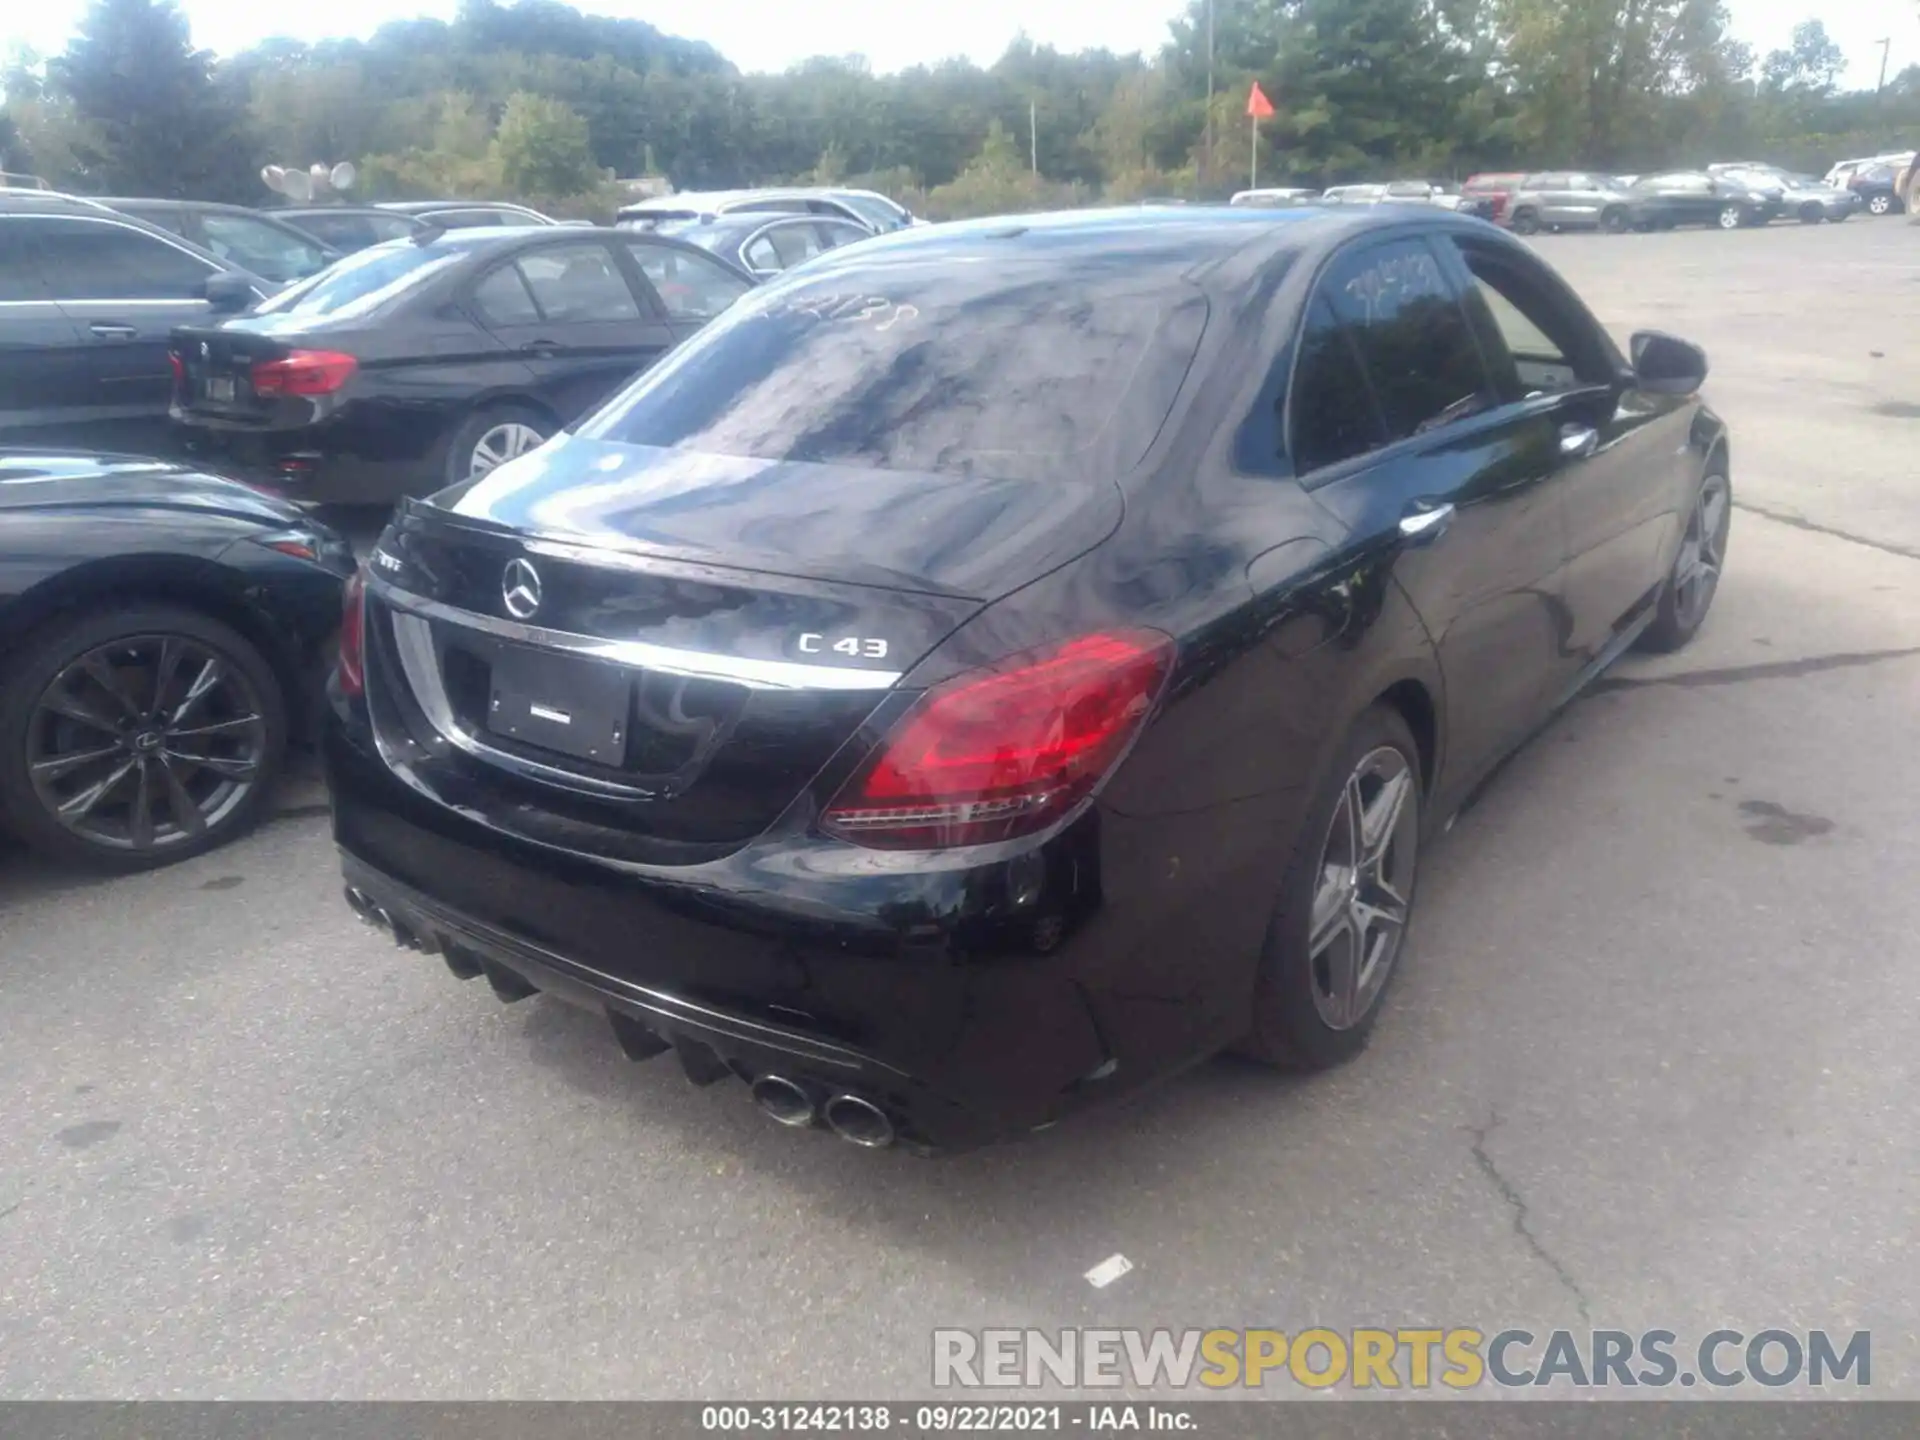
[[1652, 1061]]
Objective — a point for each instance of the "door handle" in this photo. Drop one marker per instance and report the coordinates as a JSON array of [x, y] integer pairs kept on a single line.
[[1578, 440], [103, 331], [1423, 526]]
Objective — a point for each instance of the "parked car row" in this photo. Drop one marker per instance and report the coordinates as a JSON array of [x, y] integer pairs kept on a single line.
[[1729, 195]]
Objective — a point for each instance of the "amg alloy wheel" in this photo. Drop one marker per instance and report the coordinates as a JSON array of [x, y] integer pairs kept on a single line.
[[1731, 217], [1360, 897], [1336, 937], [137, 748], [1689, 591]]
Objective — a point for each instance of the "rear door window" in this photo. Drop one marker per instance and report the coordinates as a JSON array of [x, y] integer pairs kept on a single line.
[[502, 299], [1413, 338], [1332, 412], [84, 259], [577, 283], [691, 286]]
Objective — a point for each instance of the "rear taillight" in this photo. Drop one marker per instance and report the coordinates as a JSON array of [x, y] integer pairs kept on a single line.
[[304, 372], [1003, 752], [179, 368], [351, 668]]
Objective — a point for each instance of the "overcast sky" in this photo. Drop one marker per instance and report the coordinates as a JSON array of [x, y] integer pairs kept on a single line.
[[892, 34]]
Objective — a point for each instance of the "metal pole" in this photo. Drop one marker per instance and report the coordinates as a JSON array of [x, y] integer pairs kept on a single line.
[[1206, 160], [1033, 134], [1253, 149]]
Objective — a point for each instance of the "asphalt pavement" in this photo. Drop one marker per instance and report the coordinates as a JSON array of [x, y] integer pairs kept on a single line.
[[1652, 1061]]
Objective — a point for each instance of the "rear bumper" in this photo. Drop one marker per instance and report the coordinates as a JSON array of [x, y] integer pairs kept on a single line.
[[969, 1003], [305, 465]]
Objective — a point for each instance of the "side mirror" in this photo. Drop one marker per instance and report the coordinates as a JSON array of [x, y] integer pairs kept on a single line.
[[227, 293], [1665, 364]]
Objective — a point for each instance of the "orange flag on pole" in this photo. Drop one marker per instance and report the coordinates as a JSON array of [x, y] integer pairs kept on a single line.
[[1258, 106]]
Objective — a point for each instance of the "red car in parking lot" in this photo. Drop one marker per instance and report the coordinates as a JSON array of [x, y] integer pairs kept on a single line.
[[1495, 185]]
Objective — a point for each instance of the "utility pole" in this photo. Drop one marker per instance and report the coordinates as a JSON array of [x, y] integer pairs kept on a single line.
[[1033, 134], [1886, 44], [1206, 160]]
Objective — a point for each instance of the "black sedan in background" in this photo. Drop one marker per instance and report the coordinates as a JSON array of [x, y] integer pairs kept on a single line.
[[1003, 663], [164, 636], [249, 240], [1693, 197], [762, 245], [417, 363]]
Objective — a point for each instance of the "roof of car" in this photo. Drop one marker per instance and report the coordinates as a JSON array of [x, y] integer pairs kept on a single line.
[[1184, 240]]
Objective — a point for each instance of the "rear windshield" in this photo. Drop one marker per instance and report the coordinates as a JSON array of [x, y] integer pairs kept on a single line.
[[363, 282], [946, 369]]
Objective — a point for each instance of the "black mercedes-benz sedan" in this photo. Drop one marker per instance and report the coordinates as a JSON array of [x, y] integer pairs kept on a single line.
[[164, 636], [1007, 662], [414, 364]]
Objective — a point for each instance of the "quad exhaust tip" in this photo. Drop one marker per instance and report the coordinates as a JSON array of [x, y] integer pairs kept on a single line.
[[783, 1100], [859, 1122]]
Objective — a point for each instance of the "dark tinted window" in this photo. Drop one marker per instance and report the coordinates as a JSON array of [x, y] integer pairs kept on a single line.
[[1412, 335], [502, 299], [575, 283], [1333, 412], [19, 276], [956, 369], [97, 260], [690, 286], [168, 217]]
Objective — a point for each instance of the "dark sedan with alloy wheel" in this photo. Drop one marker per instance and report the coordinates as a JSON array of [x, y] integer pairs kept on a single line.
[[1003, 663], [417, 363], [164, 635]]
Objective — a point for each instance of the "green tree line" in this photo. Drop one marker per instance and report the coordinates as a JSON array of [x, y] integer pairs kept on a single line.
[[537, 101]]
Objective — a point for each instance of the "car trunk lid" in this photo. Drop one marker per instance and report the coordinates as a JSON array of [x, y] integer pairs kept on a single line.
[[653, 661]]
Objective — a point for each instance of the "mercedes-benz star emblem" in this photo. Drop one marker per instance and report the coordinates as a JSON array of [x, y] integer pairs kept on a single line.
[[520, 588]]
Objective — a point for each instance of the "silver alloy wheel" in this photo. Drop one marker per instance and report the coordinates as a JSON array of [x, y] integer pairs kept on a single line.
[[1696, 571], [146, 742], [501, 444], [1730, 217], [1364, 887], [1880, 204]]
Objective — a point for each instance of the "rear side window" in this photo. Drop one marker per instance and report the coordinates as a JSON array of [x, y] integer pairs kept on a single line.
[[1333, 414], [691, 287], [502, 299], [577, 283], [95, 260], [964, 370], [1413, 338]]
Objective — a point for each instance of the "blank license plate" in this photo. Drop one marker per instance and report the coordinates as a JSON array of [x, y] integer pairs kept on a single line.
[[220, 389], [575, 707]]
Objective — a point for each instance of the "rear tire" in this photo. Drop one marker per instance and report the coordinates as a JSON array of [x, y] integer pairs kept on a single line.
[[1694, 580], [1354, 866], [1526, 222], [1613, 221], [1731, 217], [160, 777], [1811, 215], [1879, 204], [492, 436]]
